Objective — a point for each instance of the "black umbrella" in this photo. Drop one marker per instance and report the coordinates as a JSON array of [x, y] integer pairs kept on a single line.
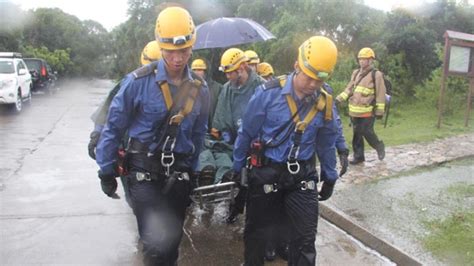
[[226, 32]]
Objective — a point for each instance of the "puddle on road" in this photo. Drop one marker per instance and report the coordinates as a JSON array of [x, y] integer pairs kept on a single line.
[[395, 208], [209, 239]]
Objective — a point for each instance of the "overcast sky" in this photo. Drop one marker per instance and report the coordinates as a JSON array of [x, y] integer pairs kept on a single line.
[[112, 13]]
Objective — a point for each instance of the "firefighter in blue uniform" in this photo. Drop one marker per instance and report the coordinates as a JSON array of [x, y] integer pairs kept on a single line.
[[165, 110], [151, 53], [282, 129]]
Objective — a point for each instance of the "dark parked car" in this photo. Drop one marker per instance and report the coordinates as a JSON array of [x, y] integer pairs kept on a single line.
[[42, 75]]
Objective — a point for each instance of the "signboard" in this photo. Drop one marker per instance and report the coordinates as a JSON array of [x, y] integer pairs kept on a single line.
[[459, 59]]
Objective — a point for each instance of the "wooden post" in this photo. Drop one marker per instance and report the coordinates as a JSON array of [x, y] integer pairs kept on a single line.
[[447, 47], [469, 101]]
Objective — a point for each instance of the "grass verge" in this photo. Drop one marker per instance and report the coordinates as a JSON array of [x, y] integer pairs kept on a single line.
[[452, 239], [414, 123]]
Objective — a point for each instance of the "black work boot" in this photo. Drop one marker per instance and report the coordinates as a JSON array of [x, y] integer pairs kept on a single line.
[[270, 253], [356, 161], [381, 151], [283, 251], [233, 213]]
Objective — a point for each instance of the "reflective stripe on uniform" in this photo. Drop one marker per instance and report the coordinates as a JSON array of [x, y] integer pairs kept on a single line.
[[364, 90], [360, 109], [380, 106], [343, 96]]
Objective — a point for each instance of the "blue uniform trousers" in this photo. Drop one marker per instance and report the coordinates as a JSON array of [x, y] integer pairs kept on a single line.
[[290, 205], [160, 216]]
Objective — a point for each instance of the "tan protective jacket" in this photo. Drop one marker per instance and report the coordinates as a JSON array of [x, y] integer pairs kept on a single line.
[[363, 98]]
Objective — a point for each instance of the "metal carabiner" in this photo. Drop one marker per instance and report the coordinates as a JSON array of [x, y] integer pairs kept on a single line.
[[290, 166], [301, 127], [165, 156], [165, 144], [178, 117], [294, 152]]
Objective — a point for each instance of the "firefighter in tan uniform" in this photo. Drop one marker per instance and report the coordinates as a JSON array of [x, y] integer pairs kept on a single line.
[[365, 104]]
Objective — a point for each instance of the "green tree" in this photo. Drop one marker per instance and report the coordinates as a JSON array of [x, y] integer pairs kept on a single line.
[[445, 15], [409, 37], [59, 60], [12, 19], [87, 41]]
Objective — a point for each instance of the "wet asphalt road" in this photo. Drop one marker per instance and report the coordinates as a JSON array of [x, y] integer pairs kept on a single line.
[[53, 211]]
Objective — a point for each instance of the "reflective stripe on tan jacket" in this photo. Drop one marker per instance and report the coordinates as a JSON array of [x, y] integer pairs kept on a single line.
[[361, 98]]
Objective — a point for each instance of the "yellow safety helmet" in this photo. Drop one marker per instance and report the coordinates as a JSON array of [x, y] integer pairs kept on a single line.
[[252, 57], [232, 59], [317, 57], [366, 52], [150, 53], [175, 29], [265, 69], [198, 64]]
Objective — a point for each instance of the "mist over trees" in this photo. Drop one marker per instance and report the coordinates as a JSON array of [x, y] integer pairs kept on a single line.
[[408, 43]]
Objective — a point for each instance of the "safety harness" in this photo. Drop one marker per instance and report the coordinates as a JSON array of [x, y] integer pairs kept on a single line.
[[324, 103], [321, 104], [174, 120], [178, 108]]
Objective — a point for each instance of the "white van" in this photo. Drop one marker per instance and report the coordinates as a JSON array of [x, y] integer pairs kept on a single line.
[[15, 81]]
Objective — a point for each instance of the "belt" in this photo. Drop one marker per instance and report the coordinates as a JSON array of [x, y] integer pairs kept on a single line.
[[303, 185], [144, 176], [135, 146], [168, 182], [270, 162]]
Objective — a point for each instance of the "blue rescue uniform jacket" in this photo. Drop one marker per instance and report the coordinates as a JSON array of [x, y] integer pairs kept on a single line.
[[139, 106], [267, 111]]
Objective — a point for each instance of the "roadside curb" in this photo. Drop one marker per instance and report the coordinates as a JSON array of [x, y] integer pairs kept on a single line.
[[370, 240]]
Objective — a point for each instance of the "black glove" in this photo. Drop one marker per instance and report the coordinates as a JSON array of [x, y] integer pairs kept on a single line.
[[326, 191], [235, 177], [237, 207], [343, 160], [95, 135], [109, 187], [108, 183]]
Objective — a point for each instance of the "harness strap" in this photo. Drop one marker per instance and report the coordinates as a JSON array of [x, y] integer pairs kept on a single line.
[[292, 163], [165, 90], [167, 156], [301, 125], [329, 100], [188, 106]]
